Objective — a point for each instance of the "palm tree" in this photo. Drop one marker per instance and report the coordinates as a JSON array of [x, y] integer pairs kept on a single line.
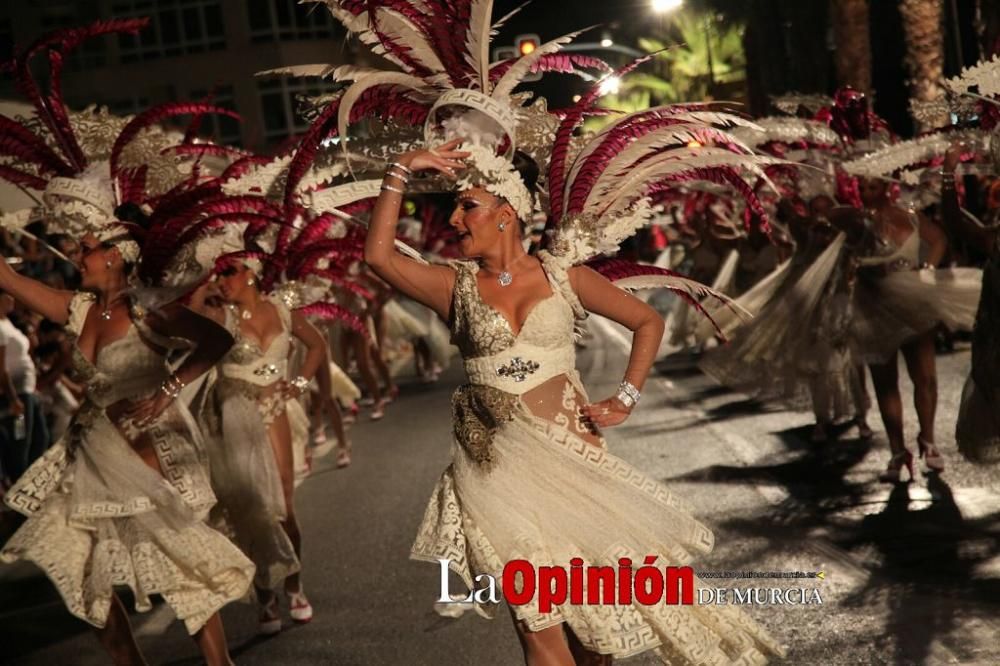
[[853, 56], [700, 57], [924, 49]]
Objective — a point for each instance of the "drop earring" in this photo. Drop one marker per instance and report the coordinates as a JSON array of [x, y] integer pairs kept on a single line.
[[502, 226]]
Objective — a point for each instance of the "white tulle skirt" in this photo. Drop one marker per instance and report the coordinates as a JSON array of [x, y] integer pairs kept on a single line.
[[246, 480], [548, 497], [99, 517], [895, 308], [797, 348]]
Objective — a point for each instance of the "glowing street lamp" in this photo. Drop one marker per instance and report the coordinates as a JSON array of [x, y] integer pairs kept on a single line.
[[664, 6], [610, 85]]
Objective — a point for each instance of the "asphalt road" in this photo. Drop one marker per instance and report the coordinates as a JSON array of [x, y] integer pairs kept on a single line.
[[912, 572]]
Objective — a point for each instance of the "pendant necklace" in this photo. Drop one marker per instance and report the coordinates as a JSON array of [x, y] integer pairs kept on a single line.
[[504, 277], [106, 312]]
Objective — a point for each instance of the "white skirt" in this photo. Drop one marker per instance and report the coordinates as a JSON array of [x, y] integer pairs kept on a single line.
[[893, 309], [99, 517], [548, 497]]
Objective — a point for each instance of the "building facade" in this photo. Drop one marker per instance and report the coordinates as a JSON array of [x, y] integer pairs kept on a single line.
[[191, 49]]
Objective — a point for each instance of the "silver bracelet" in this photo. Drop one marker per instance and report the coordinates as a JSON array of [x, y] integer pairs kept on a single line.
[[405, 169], [300, 383], [628, 394], [390, 188], [401, 177]]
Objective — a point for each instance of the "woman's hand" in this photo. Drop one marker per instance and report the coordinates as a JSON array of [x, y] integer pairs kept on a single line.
[[444, 159], [606, 413], [952, 157], [143, 413], [289, 391]]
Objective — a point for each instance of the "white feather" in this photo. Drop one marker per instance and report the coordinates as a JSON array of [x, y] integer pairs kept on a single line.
[[477, 42], [693, 288], [320, 70], [401, 30]]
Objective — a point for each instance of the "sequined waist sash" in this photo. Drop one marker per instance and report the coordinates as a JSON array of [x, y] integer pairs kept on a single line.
[[261, 374], [521, 368]]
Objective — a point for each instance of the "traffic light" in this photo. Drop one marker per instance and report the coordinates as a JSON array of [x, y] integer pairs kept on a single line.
[[523, 45], [526, 44]]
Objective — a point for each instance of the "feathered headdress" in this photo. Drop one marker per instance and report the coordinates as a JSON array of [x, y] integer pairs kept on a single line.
[[87, 165], [442, 86]]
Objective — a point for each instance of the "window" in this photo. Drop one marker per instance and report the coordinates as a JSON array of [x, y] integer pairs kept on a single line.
[[222, 128], [176, 27], [128, 106], [279, 20], [6, 40], [61, 15], [279, 102]]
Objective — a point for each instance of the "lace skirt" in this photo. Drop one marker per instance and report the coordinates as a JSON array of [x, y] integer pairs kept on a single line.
[[893, 309], [548, 496], [99, 517], [977, 431], [246, 480]]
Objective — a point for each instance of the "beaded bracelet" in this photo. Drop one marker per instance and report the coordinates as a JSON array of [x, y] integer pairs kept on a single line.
[[172, 387]]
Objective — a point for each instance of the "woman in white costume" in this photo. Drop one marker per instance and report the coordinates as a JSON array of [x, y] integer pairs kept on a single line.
[[253, 420]]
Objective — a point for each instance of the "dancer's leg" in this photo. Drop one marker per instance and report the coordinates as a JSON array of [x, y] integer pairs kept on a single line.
[[921, 364], [117, 638], [360, 346], [281, 441], [885, 378], [211, 640], [582, 655], [547, 647]]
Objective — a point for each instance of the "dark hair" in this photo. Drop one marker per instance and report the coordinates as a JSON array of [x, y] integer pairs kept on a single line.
[[131, 212], [527, 169]]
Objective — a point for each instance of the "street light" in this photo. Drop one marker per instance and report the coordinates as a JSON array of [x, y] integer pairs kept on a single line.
[[664, 6], [610, 85]]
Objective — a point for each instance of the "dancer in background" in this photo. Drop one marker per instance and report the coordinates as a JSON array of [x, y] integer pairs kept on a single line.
[[250, 419], [899, 300], [121, 499]]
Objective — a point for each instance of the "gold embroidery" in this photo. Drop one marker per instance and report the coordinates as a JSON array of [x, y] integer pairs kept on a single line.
[[478, 411]]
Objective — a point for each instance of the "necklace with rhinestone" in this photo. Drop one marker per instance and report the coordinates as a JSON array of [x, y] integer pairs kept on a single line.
[[504, 277], [106, 312]]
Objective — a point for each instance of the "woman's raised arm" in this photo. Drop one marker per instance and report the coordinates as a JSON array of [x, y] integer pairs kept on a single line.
[[53, 304], [430, 285]]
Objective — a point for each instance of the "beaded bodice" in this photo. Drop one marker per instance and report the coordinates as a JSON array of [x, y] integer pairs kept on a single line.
[[125, 368], [247, 361], [900, 257], [493, 353]]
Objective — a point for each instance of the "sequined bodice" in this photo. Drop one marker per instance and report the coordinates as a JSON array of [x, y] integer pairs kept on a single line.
[[125, 368], [493, 354], [900, 257], [248, 362]]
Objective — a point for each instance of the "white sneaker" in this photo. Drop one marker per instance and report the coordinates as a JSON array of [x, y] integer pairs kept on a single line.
[[268, 621], [300, 608]]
